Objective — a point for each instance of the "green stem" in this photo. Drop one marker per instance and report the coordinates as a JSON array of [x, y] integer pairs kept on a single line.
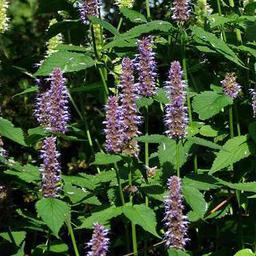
[[148, 9], [146, 143], [178, 157], [73, 239], [195, 164], [237, 121], [231, 125], [221, 27], [119, 185], [120, 24]]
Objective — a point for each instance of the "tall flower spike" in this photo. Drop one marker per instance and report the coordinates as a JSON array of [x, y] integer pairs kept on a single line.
[[175, 222], [99, 242], [181, 10], [146, 67], [253, 95], [88, 8], [125, 3], [50, 169], [130, 116], [113, 126], [3, 16], [176, 119], [230, 86]]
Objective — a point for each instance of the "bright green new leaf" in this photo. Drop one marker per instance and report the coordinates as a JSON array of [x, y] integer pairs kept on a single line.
[[16, 236], [102, 159], [133, 16], [245, 252]]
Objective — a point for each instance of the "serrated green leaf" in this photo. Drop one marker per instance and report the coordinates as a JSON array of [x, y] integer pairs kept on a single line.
[[14, 236], [201, 181], [196, 201], [8, 130], [102, 159], [144, 102], [133, 16], [32, 89], [106, 25], [233, 151], [141, 215], [176, 252], [121, 43], [153, 138], [161, 96], [208, 131], [245, 252], [204, 142], [102, 217], [246, 186], [68, 61], [208, 103], [53, 212]]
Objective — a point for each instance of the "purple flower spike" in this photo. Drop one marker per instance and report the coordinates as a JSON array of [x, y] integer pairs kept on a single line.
[[130, 116], [253, 95], [146, 67], [113, 124], [176, 119], [50, 169], [58, 107], [230, 86], [175, 222], [88, 8], [99, 242], [181, 10]]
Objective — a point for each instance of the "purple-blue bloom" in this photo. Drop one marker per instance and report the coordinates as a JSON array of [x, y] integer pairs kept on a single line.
[[100, 242], [88, 8], [175, 222], [130, 117], [253, 95], [176, 119], [230, 87], [113, 126], [50, 168], [181, 10], [146, 67]]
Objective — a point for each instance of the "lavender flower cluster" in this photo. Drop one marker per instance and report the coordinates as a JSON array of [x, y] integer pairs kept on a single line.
[[88, 8], [181, 10], [230, 87]]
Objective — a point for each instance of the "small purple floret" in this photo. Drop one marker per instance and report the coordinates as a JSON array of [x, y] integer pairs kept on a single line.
[[50, 168], [175, 222], [88, 8], [146, 67], [100, 242]]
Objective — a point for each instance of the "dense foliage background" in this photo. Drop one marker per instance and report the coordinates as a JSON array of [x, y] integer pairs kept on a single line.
[[217, 166]]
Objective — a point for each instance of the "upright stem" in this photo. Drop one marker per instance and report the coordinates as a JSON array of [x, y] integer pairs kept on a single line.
[[119, 185], [231, 125], [220, 13], [178, 157], [73, 239], [237, 121], [120, 24], [148, 9]]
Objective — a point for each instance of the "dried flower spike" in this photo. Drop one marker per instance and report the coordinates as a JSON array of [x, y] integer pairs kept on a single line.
[[175, 222], [125, 3], [50, 169], [176, 119], [130, 117], [88, 8], [3, 16], [113, 126], [181, 10], [99, 242], [230, 86], [146, 67]]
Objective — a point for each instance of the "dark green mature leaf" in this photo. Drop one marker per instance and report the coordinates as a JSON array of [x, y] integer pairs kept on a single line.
[[153, 138], [53, 212], [104, 24], [133, 16], [201, 181], [8, 130], [246, 186], [121, 43], [102, 217], [141, 215], [32, 89], [233, 151], [245, 252], [216, 44], [208, 103], [68, 61], [102, 159], [176, 252], [203, 142]]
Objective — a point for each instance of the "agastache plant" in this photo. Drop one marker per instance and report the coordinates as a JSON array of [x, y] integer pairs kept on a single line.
[[113, 126], [146, 67], [130, 116], [181, 10], [100, 242], [3, 16], [175, 222], [176, 118], [253, 96], [50, 168], [88, 8], [52, 105], [230, 86]]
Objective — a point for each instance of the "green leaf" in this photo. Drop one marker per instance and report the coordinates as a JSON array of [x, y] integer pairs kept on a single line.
[[252, 131], [208, 131], [203, 142], [233, 151], [104, 24], [14, 236], [176, 252], [246, 186], [153, 138], [208, 103], [68, 61], [102, 217], [216, 44], [103, 159], [8, 130], [121, 43], [31, 89], [53, 212], [133, 16], [245, 252], [161, 96], [144, 102], [141, 215], [196, 201]]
